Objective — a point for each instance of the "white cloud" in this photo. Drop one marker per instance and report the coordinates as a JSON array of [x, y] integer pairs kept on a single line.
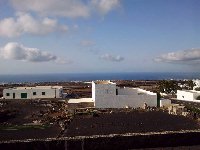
[[189, 56], [16, 51], [87, 43], [25, 23], [112, 58], [104, 6], [66, 8], [62, 61]]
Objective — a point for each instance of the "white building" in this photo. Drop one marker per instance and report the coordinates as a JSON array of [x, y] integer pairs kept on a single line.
[[176, 109], [188, 95], [165, 102], [107, 95], [33, 92]]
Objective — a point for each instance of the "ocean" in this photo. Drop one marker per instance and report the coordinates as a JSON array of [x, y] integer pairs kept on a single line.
[[97, 76]]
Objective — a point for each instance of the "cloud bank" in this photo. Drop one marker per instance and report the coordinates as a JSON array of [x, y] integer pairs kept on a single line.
[[41, 24], [16, 51], [66, 8], [112, 58], [25, 23], [189, 56]]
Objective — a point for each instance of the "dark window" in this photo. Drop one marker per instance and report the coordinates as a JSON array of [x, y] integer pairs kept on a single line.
[[116, 91], [7, 94], [43, 93], [13, 95], [23, 95], [34, 93]]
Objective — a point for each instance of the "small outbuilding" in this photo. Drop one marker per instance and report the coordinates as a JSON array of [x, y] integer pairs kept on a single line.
[[33, 92], [165, 103]]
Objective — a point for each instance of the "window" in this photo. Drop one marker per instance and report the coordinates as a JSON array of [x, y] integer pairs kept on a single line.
[[34, 93], [116, 91], [23, 95], [7, 94], [43, 93]]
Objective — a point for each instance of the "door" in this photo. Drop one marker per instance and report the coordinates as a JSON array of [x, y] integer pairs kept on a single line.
[[13, 95]]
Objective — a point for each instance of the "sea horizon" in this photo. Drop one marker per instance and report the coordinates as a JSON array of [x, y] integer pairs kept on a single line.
[[66, 77]]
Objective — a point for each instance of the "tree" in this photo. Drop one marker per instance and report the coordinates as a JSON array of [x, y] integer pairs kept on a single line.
[[190, 84], [168, 86]]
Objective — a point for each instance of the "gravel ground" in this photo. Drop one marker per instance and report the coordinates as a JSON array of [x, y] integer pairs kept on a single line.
[[30, 133], [132, 122]]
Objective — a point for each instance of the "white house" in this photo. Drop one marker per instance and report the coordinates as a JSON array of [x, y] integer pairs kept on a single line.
[[33, 92], [107, 95], [188, 95]]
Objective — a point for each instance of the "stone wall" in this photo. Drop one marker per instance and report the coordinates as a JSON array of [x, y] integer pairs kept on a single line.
[[115, 141]]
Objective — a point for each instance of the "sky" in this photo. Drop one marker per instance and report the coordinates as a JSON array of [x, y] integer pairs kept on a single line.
[[91, 36]]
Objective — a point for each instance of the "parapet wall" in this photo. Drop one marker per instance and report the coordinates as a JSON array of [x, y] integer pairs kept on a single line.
[[114, 141]]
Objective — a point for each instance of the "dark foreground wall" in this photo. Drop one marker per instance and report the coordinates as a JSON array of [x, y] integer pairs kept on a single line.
[[126, 141]]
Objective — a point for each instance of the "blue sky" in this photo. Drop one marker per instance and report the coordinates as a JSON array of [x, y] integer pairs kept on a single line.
[[72, 36]]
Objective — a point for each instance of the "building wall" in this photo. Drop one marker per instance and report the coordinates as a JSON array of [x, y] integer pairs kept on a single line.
[[165, 103], [185, 95], [105, 96], [105, 89], [93, 91], [135, 100], [126, 91], [49, 93], [105, 101]]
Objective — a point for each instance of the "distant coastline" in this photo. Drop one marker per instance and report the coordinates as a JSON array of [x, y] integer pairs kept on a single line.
[[62, 77]]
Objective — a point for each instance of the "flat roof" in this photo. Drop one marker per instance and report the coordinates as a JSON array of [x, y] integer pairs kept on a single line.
[[103, 82], [190, 91], [36, 87]]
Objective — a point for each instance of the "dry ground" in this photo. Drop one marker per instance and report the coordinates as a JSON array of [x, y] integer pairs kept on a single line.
[[129, 122]]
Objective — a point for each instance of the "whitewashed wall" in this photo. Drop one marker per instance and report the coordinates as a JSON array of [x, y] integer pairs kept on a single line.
[[93, 91], [126, 91], [49, 93], [185, 95], [135, 101], [105, 97], [165, 103]]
